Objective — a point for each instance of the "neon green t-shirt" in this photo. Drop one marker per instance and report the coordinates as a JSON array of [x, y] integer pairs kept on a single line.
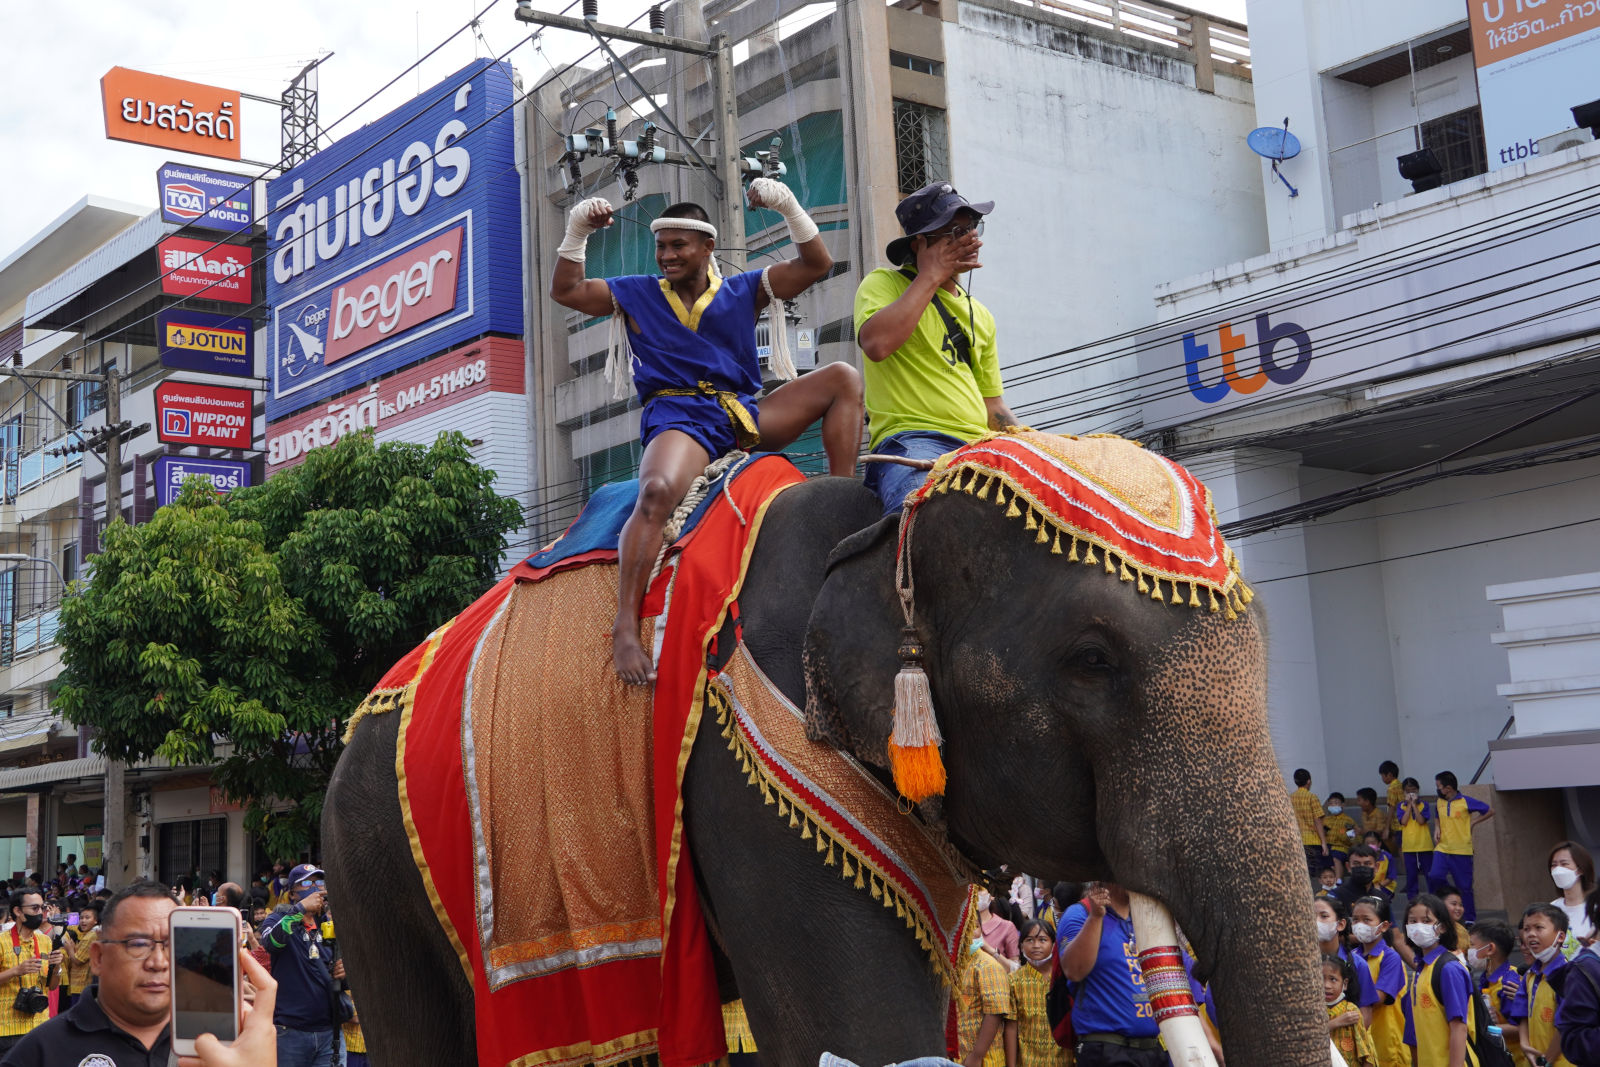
[[923, 386]]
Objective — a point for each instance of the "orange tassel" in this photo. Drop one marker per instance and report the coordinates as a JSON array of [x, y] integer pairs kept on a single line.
[[914, 742]]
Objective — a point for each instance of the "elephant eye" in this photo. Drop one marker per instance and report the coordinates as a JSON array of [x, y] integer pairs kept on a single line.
[[1092, 658]]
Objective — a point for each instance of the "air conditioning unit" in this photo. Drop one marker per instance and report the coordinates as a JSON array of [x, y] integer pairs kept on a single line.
[[1560, 142]]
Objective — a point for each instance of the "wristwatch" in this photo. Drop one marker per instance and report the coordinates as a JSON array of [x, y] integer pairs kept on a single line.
[[1540, 1061]]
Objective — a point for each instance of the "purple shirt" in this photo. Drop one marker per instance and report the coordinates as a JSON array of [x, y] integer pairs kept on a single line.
[[1455, 988], [1366, 993], [1522, 1004], [1391, 969]]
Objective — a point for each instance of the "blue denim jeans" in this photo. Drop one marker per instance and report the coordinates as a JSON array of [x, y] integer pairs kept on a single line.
[[305, 1048], [893, 482]]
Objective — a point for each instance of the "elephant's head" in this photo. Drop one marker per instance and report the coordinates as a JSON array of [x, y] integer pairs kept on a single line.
[[1090, 731]]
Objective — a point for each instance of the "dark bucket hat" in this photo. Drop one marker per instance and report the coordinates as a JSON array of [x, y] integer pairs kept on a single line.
[[929, 209]]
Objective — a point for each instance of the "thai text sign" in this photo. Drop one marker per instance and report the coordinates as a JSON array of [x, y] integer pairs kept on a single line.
[[494, 364], [396, 243], [172, 471], [197, 267], [170, 113], [1536, 60], [200, 197], [215, 344], [215, 415]]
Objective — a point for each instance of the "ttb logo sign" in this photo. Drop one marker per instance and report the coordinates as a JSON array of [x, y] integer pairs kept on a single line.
[[1279, 353]]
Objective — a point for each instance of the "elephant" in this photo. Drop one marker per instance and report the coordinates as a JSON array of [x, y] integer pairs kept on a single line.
[[1087, 735]]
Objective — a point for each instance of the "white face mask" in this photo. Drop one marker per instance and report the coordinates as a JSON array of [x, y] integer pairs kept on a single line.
[[1327, 931], [984, 900], [1366, 933], [1334, 809], [1475, 961], [1563, 877], [1423, 935], [1548, 954]]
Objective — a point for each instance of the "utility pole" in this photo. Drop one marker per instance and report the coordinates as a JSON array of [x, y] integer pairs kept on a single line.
[[108, 437], [730, 167]]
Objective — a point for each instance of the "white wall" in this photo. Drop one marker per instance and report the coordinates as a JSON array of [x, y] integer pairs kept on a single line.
[[1109, 175]]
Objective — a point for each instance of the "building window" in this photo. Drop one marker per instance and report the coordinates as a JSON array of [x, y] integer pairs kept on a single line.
[[921, 145], [906, 61], [195, 847], [84, 399], [69, 562], [1457, 142]]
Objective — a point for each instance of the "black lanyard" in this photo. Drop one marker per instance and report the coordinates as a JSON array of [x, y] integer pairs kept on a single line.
[[957, 340]]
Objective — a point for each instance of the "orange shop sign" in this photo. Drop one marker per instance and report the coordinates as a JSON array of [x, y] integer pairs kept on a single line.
[[170, 113]]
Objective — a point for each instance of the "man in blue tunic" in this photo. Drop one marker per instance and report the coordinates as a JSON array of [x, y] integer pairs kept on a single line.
[[695, 369]]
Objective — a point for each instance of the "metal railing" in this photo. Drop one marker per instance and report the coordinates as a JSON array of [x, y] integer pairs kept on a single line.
[[1226, 42]]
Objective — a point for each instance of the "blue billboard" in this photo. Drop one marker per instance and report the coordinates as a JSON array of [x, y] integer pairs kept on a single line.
[[396, 243], [199, 196], [172, 471], [197, 340]]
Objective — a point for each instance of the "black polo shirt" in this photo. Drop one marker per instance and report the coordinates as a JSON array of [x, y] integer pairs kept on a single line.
[[82, 1036]]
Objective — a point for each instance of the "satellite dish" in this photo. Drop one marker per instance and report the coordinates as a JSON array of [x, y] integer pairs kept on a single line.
[[1272, 143], [1277, 145]]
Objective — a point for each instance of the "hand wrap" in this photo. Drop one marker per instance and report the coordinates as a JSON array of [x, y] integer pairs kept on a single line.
[[780, 198], [579, 226]]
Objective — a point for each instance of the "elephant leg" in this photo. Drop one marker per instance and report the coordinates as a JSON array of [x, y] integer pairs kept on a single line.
[[406, 979], [820, 964]]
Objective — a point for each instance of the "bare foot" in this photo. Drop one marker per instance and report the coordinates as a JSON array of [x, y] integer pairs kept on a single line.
[[628, 656]]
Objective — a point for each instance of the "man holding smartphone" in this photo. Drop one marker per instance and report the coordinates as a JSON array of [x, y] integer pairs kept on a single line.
[[292, 936], [123, 1019]]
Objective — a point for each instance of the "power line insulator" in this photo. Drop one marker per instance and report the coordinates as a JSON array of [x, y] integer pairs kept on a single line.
[[591, 9], [658, 19]]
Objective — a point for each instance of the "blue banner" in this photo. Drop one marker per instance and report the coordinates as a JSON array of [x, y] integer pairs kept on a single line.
[[198, 196], [197, 340], [396, 243], [171, 471]]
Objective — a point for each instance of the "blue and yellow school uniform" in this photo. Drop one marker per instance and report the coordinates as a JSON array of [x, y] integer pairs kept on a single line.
[[707, 352], [1340, 827], [1416, 845], [1366, 990], [1383, 876], [1502, 988], [1452, 859], [1388, 975], [1428, 1020], [1536, 1003]]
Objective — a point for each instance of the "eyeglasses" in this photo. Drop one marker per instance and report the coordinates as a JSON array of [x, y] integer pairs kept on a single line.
[[139, 948], [960, 231], [308, 883]]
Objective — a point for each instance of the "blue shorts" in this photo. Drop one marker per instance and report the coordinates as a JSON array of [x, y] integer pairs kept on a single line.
[[894, 482], [701, 417]]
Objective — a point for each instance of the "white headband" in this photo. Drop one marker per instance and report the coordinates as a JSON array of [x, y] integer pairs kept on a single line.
[[684, 224]]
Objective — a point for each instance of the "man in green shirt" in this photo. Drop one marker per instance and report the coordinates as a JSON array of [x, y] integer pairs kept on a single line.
[[932, 371]]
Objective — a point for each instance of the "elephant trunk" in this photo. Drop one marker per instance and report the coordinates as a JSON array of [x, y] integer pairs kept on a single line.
[[1235, 881]]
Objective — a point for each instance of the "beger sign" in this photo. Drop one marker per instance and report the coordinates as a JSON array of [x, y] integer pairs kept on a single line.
[[397, 294]]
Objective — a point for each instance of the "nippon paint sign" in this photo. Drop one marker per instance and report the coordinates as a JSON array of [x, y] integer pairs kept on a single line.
[[171, 472], [214, 415], [396, 243], [196, 196], [1535, 62]]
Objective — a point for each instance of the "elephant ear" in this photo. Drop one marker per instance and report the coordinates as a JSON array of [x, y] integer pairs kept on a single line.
[[852, 646]]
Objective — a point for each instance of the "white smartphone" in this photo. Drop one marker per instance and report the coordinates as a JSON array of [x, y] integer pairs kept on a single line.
[[206, 990]]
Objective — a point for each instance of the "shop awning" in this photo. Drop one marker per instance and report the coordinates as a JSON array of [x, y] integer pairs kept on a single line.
[[60, 304], [67, 770]]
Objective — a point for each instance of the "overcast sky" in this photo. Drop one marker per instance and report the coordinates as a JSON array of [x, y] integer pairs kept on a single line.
[[52, 134]]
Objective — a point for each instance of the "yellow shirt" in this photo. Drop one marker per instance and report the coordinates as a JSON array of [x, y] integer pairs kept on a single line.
[[1036, 1047], [1414, 834], [1388, 1023], [1353, 1042], [1397, 793], [1339, 827], [1455, 824], [735, 1028], [1498, 994], [984, 991], [1307, 810], [79, 970], [1381, 875], [14, 1023], [1431, 1027], [924, 385], [1376, 820], [1542, 1021]]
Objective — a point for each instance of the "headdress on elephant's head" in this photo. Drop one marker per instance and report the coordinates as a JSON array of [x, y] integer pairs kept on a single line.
[[1151, 521]]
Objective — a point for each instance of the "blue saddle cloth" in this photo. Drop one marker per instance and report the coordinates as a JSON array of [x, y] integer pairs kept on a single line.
[[598, 528]]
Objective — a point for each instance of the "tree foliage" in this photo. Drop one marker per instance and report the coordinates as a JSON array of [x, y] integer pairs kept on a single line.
[[258, 621]]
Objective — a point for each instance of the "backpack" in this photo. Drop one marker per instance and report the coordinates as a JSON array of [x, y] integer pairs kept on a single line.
[[1488, 1051], [1058, 1005]]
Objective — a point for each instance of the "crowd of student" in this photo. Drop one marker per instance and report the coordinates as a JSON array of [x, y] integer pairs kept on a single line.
[[1411, 977]]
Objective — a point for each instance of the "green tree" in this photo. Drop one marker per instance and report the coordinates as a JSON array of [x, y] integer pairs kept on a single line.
[[261, 620]]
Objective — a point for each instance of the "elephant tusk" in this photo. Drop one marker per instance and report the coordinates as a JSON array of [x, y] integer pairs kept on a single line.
[[1167, 984]]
